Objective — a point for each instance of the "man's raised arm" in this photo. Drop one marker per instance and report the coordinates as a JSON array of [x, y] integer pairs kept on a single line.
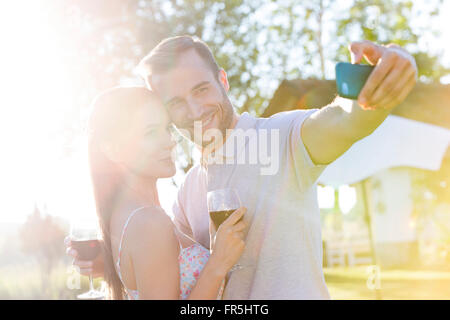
[[332, 130]]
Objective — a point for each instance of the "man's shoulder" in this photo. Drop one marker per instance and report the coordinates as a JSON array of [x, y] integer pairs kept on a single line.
[[284, 119], [196, 172], [191, 193], [194, 179]]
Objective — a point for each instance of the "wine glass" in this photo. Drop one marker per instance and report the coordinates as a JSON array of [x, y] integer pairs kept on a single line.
[[221, 204], [85, 236]]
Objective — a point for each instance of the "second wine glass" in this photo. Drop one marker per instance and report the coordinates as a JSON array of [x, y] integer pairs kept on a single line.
[[84, 237], [221, 204]]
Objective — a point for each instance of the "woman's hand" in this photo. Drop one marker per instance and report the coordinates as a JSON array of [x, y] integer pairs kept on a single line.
[[228, 243], [94, 267]]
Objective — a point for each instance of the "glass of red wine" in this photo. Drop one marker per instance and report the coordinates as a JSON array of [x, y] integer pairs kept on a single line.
[[221, 204], [85, 236]]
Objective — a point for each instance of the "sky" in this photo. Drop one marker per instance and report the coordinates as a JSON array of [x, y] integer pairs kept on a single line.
[[31, 169]]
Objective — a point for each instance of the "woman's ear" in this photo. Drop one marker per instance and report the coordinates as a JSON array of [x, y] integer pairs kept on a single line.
[[223, 79]]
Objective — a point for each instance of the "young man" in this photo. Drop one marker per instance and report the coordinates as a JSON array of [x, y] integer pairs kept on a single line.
[[283, 255]]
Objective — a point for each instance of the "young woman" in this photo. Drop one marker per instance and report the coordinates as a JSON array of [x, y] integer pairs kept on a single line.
[[130, 147]]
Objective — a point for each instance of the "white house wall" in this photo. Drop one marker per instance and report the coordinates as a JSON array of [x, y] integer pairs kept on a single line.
[[391, 206]]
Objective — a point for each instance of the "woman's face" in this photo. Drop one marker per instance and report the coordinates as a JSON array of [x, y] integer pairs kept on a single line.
[[146, 146]]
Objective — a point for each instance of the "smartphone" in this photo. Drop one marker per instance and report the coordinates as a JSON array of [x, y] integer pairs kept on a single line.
[[350, 78]]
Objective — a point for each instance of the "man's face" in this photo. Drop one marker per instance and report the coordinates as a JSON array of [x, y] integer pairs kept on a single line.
[[192, 92]]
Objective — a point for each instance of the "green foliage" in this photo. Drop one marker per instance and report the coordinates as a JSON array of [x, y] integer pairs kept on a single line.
[[28, 281], [258, 42], [430, 188], [387, 21], [42, 237], [430, 69], [381, 21]]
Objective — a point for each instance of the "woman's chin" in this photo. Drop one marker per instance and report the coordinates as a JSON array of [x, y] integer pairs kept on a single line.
[[169, 171]]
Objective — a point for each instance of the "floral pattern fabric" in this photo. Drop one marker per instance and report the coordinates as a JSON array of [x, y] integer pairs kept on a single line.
[[192, 261]]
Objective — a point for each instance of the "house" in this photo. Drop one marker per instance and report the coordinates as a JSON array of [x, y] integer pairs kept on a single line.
[[388, 192]]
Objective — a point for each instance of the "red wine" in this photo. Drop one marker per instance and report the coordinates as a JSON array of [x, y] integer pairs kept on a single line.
[[87, 249], [218, 217]]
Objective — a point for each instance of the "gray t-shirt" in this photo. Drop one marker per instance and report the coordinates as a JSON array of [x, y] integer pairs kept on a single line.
[[278, 185]]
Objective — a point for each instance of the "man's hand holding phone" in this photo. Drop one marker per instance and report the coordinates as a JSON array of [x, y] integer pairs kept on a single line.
[[392, 78]]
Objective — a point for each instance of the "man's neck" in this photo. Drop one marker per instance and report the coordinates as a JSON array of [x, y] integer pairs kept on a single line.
[[230, 129]]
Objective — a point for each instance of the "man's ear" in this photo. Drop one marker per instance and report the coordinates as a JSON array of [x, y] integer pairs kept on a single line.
[[223, 79]]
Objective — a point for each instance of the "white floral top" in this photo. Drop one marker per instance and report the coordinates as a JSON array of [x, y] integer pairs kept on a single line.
[[192, 259]]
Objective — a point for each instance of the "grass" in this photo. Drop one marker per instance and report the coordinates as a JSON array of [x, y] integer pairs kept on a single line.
[[27, 282], [351, 283]]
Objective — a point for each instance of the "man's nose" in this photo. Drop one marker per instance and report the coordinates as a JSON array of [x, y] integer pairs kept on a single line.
[[194, 109]]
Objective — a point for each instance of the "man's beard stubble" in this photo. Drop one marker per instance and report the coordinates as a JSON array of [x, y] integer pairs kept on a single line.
[[227, 116], [226, 111]]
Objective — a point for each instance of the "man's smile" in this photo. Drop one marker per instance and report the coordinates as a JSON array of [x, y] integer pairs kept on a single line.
[[206, 122]]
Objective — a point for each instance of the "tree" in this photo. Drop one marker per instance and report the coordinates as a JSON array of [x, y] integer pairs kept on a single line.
[[259, 43], [42, 237], [387, 21]]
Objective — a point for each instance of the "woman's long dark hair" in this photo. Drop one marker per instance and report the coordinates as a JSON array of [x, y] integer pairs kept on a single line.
[[110, 112]]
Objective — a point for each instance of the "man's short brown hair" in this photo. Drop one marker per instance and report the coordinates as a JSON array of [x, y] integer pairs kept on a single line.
[[164, 56]]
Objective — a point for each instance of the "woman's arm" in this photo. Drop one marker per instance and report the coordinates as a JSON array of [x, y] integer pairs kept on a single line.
[[154, 251], [209, 282], [227, 246]]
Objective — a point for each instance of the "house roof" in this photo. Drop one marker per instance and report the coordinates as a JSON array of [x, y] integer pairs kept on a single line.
[[397, 142], [429, 103]]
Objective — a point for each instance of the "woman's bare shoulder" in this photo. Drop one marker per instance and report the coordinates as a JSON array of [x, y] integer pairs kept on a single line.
[[152, 225]]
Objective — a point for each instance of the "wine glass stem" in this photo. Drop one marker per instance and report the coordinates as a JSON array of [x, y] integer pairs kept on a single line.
[[91, 283]]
